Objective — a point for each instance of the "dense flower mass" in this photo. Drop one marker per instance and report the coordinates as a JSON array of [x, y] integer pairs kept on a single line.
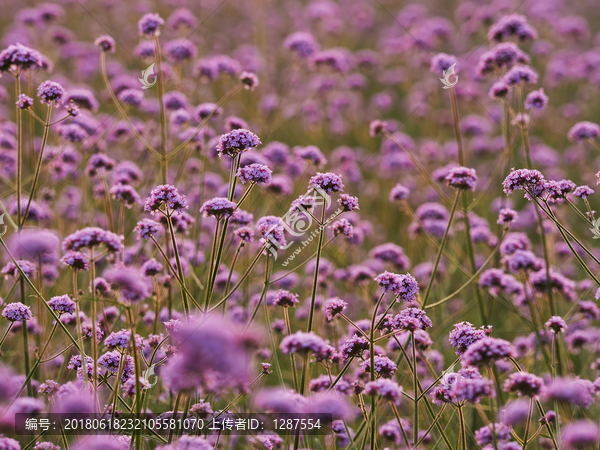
[[357, 256]]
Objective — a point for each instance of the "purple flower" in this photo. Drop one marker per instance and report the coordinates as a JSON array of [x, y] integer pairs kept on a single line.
[[75, 260], [302, 43], [536, 100], [99, 163], [149, 25], [524, 383], [343, 227], [303, 343], [589, 310], [311, 154], [512, 26], [205, 110], [348, 202], [412, 319], [106, 43], [62, 304], [132, 97], [126, 194], [399, 192], [92, 237], [121, 339], [50, 92], [557, 324], [354, 347], [129, 281], [254, 173], [334, 306], [167, 195], [16, 312], [245, 234], [386, 388], [24, 101], [377, 127], [83, 98], [485, 435], [249, 80], [506, 216], [404, 286], [523, 260], [583, 191], [462, 178], [151, 268], [580, 434], [20, 57], [499, 90], [218, 207], [7, 443], [472, 390], [520, 75], [28, 268], [575, 391], [384, 366], [465, 334], [285, 298], [49, 388], [72, 132], [441, 62], [488, 350], [524, 179], [328, 182], [237, 141], [583, 131], [146, 228], [337, 59]]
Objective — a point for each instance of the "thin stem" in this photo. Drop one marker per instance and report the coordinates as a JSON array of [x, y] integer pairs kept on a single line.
[[39, 163], [19, 148], [456, 121], [186, 306], [416, 396], [316, 276], [441, 249], [94, 325], [26, 355], [161, 105]]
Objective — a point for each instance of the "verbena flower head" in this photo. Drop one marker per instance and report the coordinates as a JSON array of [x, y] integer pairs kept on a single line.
[[62, 304], [377, 127], [93, 237], [537, 100], [583, 192], [342, 227], [237, 141], [513, 26], [488, 433], [106, 43], [524, 383], [24, 101], [151, 268], [557, 324], [285, 298], [506, 216], [75, 260], [399, 192], [488, 350], [472, 390], [465, 334], [167, 195], [11, 269], [311, 154], [348, 202], [218, 207], [405, 286], [301, 342], [334, 306], [50, 92], [575, 391], [441, 62], [72, 132], [499, 90], [149, 25], [302, 43], [125, 194], [520, 75], [462, 178], [354, 347], [249, 80], [388, 389], [412, 319], [254, 173], [16, 312], [19, 57], [384, 366], [523, 179], [328, 182], [146, 228], [579, 434], [583, 131], [245, 234]]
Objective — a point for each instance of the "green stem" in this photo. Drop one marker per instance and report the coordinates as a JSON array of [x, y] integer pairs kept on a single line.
[[186, 306], [317, 263], [161, 105]]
